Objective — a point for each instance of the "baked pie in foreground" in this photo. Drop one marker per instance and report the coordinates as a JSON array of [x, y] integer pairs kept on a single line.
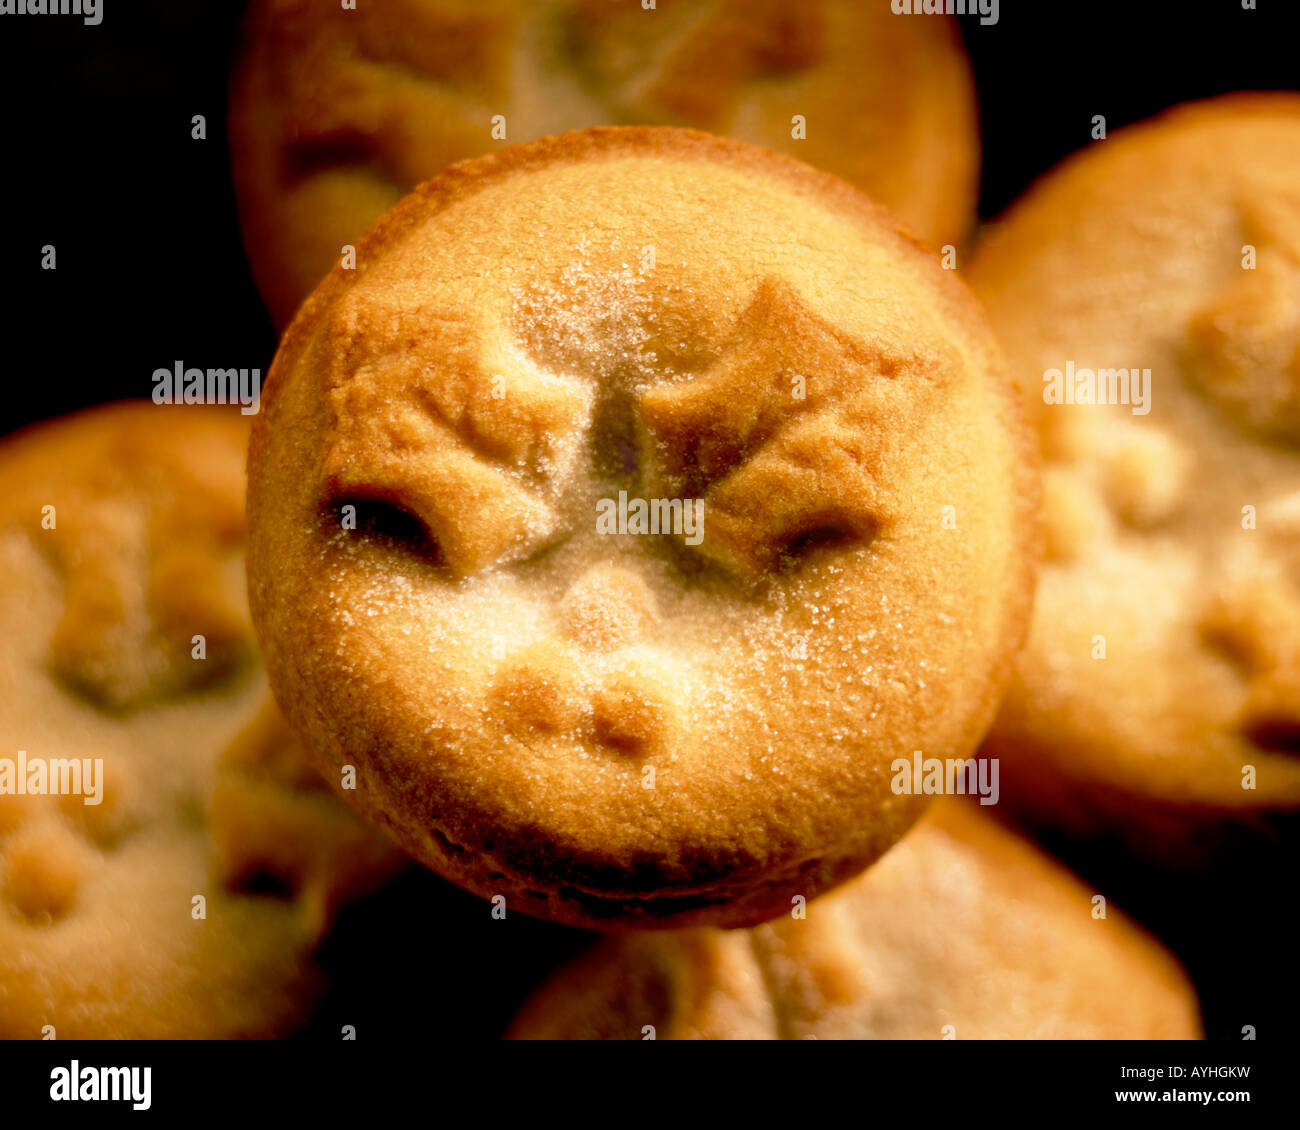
[[635, 729]]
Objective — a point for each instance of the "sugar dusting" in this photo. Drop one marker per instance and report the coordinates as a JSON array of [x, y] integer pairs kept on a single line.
[[792, 669]]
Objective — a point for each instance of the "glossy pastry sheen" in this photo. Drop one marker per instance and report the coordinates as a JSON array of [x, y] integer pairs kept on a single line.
[[1159, 695], [624, 729], [337, 113], [121, 538], [963, 931]]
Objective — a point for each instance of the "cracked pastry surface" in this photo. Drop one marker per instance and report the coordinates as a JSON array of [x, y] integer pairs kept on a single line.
[[1172, 534], [624, 729], [962, 931], [336, 114], [204, 792]]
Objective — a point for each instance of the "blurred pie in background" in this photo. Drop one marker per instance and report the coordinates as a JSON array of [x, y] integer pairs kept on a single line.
[[336, 114]]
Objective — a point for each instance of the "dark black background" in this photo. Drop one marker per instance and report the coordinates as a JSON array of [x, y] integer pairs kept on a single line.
[[98, 160]]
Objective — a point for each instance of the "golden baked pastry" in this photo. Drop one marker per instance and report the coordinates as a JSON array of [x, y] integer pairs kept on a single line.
[[1172, 527], [626, 728], [962, 931], [336, 114], [121, 537]]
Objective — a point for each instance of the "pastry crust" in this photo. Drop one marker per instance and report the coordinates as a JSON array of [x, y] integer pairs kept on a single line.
[[623, 730], [121, 539], [962, 931], [1171, 535], [335, 114]]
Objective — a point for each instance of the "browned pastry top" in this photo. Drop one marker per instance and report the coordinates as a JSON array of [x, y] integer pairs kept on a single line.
[[591, 722], [962, 931], [1173, 534], [337, 113], [121, 543]]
